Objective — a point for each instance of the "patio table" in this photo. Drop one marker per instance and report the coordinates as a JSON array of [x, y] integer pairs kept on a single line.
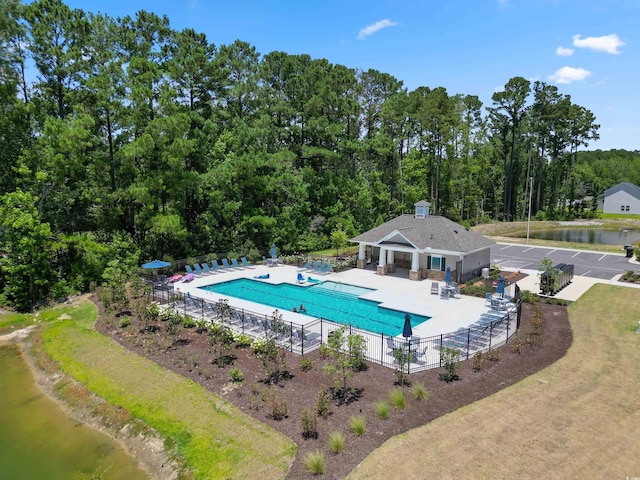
[[499, 303]]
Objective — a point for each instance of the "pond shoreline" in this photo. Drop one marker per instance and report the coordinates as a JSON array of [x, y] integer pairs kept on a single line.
[[148, 449]]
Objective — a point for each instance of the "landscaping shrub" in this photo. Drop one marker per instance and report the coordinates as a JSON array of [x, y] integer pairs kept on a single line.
[[358, 425], [125, 321], [323, 403], [277, 405], [516, 344], [188, 322], [336, 442], [493, 355], [397, 398], [529, 297], [243, 341], [478, 360], [473, 290], [449, 358], [305, 364], [272, 358], [309, 424], [314, 461], [235, 375], [420, 392]]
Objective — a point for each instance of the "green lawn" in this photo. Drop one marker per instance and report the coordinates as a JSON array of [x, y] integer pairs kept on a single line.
[[215, 439]]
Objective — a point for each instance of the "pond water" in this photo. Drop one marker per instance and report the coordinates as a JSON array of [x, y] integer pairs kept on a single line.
[[39, 441], [589, 235]]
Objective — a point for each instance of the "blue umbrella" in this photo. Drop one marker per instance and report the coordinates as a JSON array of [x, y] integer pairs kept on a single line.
[[447, 276], [155, 264], [500, 288], [273, 251]]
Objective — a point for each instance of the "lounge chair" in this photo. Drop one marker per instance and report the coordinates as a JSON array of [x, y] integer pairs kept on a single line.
[[189, 269], [198, 269], [317, 266], [434, 288], [225, 264], [215, 266], [328, 268], [205, 268], [234, 263], [245, 263], [306, 266]]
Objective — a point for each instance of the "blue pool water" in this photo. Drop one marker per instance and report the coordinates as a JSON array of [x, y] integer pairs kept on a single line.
[[330, 300]]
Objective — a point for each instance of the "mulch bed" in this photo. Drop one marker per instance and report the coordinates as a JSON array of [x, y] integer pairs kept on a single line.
[[190, 355]]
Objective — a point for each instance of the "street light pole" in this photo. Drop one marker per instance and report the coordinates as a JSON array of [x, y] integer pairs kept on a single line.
[[529, 218]]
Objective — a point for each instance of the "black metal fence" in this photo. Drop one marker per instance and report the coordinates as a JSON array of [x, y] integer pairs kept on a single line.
[[491, 330]]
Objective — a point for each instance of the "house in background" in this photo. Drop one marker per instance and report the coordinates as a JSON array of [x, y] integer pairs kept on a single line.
[[622, 198], [426, 245]]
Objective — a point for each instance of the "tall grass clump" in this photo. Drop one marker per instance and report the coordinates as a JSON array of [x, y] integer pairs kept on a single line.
[[314, 462], [420, 392], [397, 398], [382, 409], [358, 425], [336, 442]]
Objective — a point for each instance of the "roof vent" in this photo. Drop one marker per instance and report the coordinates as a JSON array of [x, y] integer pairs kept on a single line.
[[422, 209]]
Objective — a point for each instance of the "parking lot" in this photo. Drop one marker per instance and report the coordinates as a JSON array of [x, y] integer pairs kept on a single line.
[[591, 264]]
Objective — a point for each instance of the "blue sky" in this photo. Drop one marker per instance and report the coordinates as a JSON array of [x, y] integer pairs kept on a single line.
[[588, 48]]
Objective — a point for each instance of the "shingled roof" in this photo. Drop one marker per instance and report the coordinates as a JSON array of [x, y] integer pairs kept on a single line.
[[630, 188], [435, 232]]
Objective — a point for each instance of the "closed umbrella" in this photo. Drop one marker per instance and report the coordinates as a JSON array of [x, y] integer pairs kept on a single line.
[[274, 254], [500, 287], [447, 276], [406, 329]]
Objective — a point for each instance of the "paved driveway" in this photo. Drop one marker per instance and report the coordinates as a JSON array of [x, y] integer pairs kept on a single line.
[[603, 266]]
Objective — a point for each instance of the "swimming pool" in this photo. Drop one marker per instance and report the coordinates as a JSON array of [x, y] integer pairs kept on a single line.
[[330, 300]]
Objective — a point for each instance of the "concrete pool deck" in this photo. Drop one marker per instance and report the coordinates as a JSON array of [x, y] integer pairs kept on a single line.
[[447, 315]]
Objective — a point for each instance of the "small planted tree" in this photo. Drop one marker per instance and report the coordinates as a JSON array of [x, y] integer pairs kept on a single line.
[[223, 310], [549, 276], [221, 340], [342, 363], [272, 358], [401, 357]]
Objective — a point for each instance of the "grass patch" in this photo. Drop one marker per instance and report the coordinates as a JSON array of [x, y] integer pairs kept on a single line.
[[215, 439], [420, 392], [15, 321], [584, 408]]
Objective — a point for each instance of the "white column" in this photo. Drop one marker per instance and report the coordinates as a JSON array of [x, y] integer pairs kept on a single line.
[[415, 261], [361, 248], [383, 257], [390, 259]]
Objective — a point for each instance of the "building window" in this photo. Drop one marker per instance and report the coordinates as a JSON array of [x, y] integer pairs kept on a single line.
[[436, 262], [626, 209], [622, 208]]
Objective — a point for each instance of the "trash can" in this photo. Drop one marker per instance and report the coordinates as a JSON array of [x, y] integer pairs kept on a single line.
[[629, 249]]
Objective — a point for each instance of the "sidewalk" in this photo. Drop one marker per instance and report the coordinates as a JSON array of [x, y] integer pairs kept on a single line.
[[572, 292]]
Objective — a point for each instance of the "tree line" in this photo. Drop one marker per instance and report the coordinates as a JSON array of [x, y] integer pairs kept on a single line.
[[126, 139]]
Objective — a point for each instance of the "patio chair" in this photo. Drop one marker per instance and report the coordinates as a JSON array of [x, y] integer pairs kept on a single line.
[[225, 264], [245, 263], [215, 268], [267, 261], [329, 268], [434, 288], [189, 269], [317, 267], [205, 268], [198, 269], [234, 263], [306, 266], [487, 297]]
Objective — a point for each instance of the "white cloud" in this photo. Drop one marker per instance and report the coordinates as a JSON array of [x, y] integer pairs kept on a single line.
[[371, 29], [569, 75], [564, 52], [606, 43]]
